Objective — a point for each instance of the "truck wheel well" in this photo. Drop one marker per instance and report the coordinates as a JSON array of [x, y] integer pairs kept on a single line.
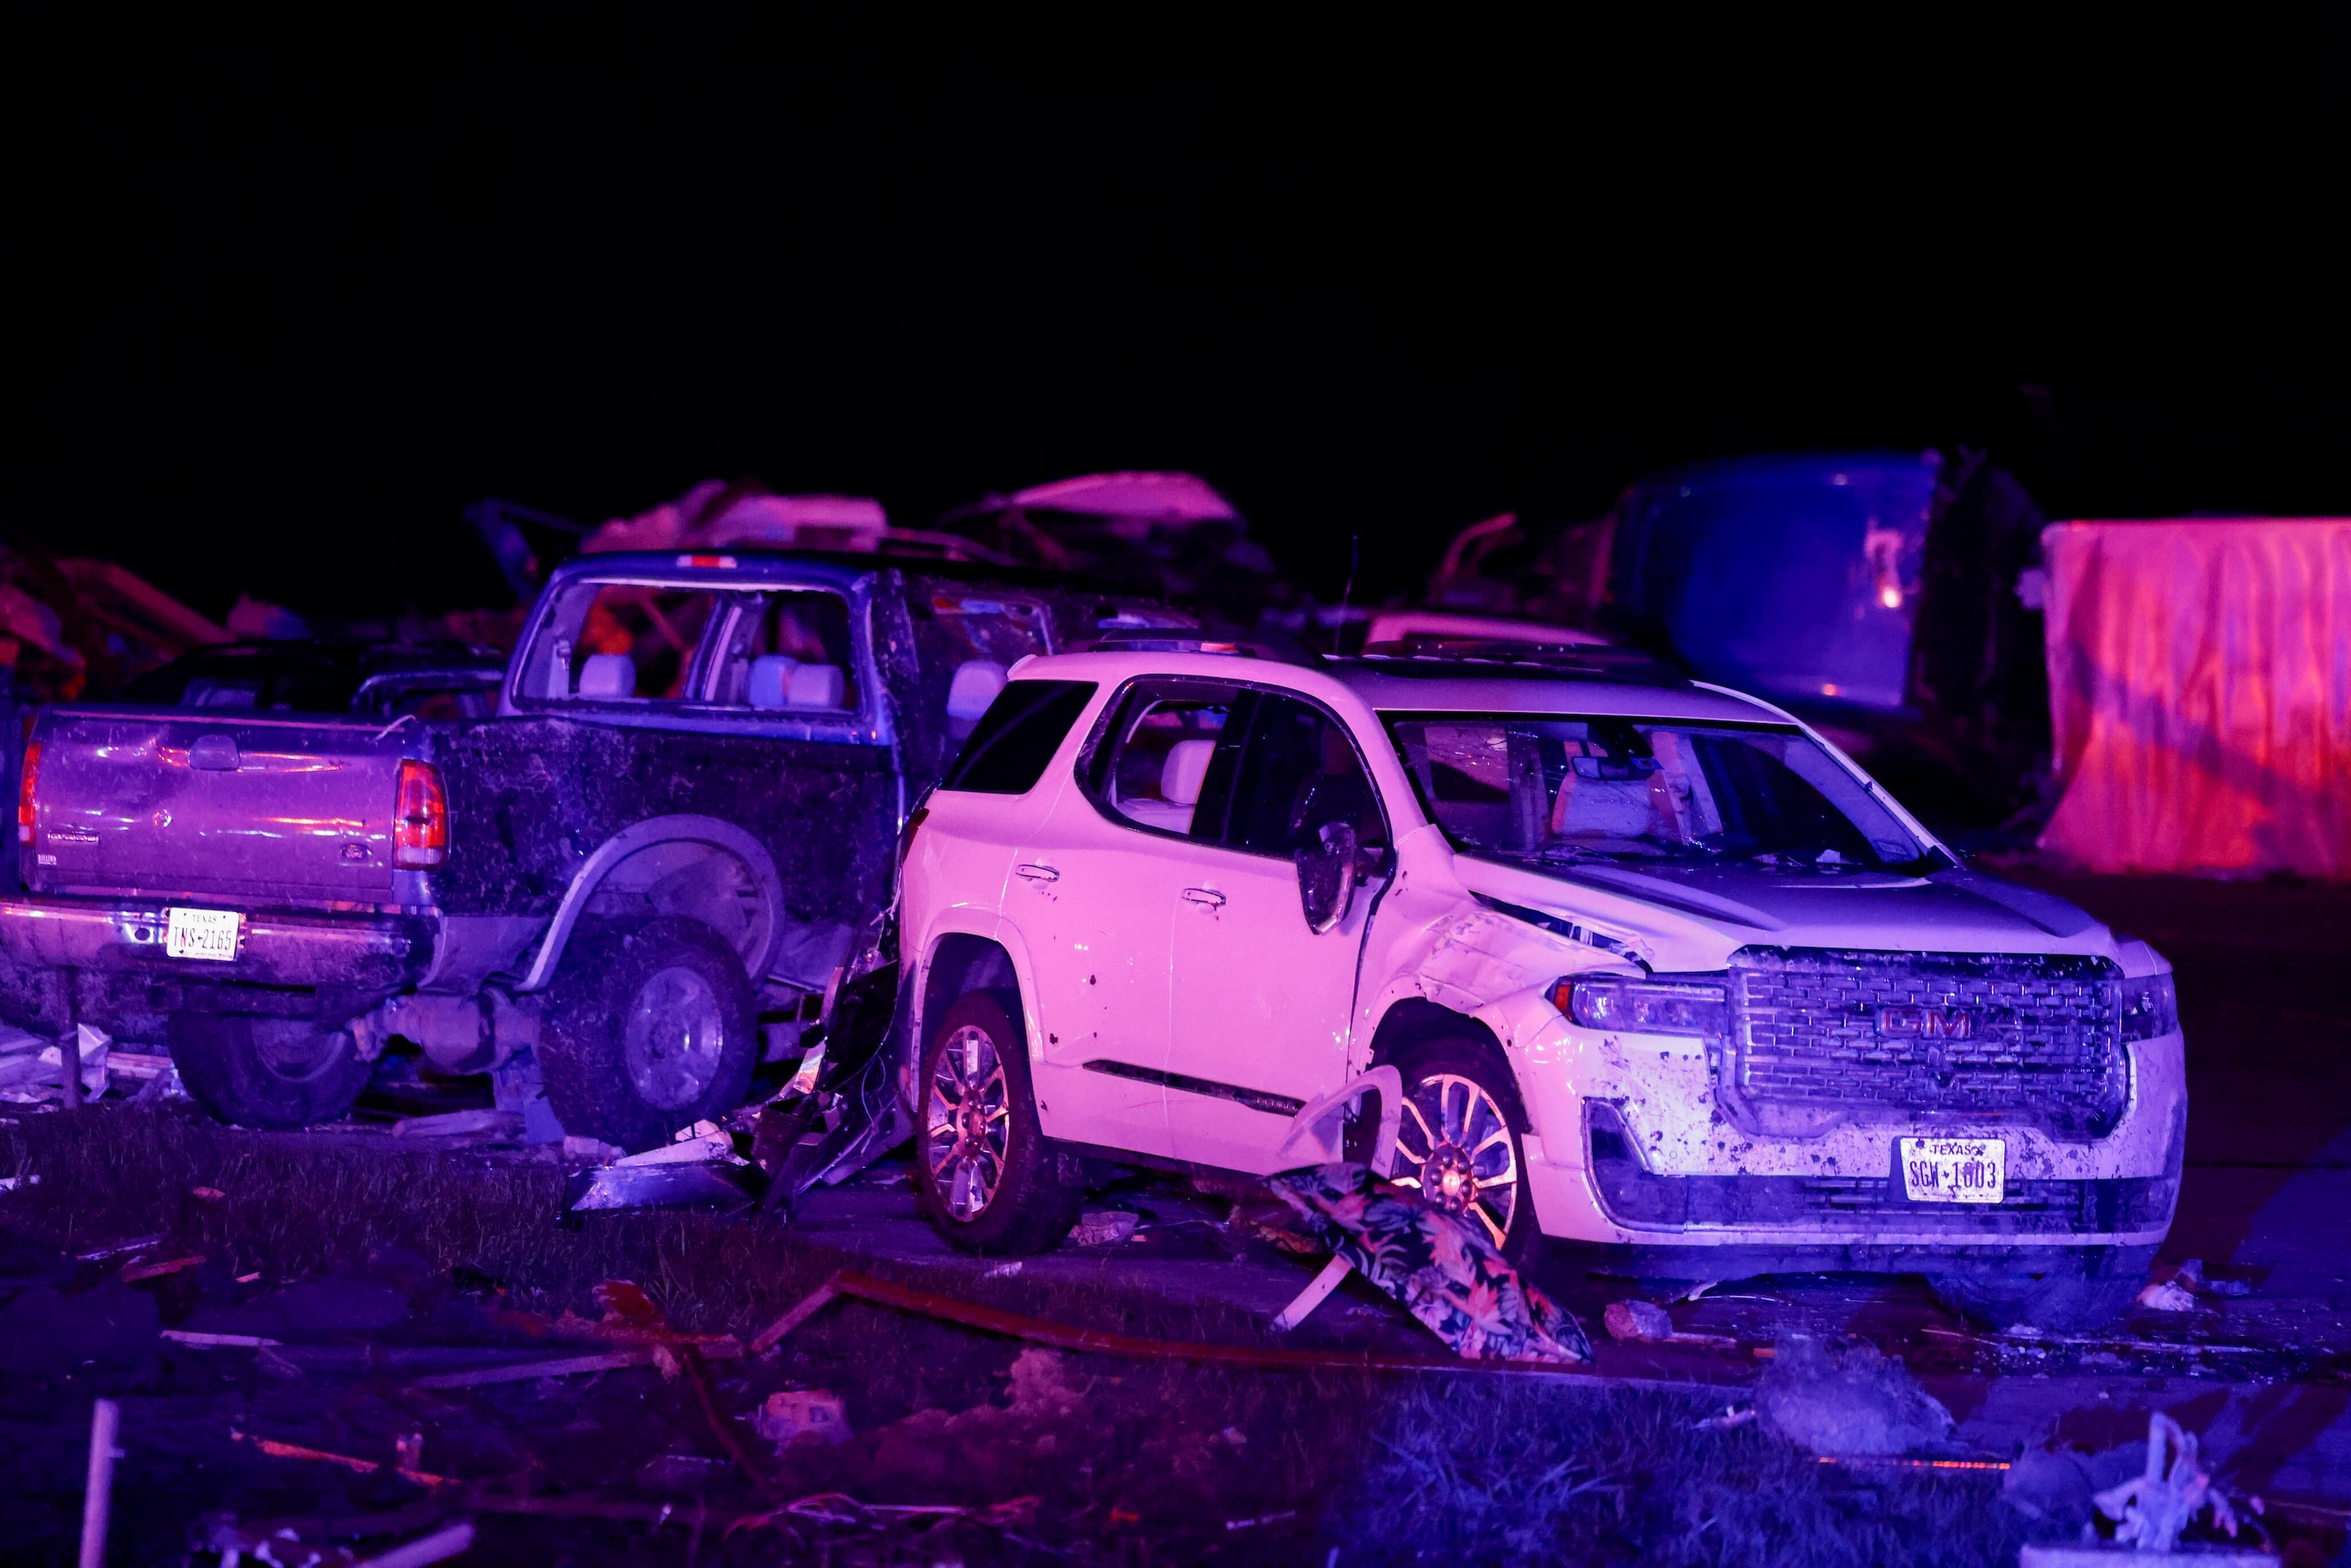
[[699, 881], [962, 963], [699, 868]]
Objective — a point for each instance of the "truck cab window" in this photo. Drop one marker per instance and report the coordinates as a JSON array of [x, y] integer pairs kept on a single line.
[[620, 643], [789, 652]]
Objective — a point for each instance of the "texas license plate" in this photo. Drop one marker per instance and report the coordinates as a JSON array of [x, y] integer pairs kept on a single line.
[[1953, 1170], [202, 934]]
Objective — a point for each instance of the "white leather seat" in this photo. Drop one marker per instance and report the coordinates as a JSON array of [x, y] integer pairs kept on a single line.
[[816, 686], [1185, 770], [607, 678], [976, 684], [768, 686], [1181, 773]]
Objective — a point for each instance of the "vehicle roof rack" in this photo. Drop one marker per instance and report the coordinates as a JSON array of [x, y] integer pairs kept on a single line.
[[1448, 655], [1182, 640]]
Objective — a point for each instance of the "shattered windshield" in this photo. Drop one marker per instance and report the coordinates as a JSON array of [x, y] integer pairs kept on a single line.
[[1557, 791]]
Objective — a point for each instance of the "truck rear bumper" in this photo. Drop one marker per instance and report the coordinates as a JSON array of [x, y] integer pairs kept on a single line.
[[359, 953]]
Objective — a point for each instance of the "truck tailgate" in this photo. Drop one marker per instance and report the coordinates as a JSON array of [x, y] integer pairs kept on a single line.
[[258, 809]]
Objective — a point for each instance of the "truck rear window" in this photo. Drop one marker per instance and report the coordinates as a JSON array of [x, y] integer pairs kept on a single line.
[[1017, 736]]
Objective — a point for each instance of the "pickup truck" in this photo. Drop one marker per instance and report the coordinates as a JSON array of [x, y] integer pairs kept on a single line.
[[686, 802]]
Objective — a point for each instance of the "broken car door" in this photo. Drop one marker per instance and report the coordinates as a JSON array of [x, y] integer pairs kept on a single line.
[[1095, 895], [1259, 1010]]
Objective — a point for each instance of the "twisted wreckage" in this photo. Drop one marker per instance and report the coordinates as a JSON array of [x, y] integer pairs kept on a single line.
[[1620, 958]]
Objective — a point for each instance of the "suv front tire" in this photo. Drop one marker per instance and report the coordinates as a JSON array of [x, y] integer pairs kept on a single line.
[[1459, 1140]]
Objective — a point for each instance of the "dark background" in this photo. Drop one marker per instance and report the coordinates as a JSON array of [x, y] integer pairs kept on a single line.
[[283, 301]]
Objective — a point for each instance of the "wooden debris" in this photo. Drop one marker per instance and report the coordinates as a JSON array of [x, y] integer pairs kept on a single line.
[[195, 1339], [437, 1547], [98, 1496], [723, 1348], [524, 1371], [1061, 1336], [278, 1450]]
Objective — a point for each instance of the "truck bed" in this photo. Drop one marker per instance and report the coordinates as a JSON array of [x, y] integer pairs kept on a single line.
[[289, 812]]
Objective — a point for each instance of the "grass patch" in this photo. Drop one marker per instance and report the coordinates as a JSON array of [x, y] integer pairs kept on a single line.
[[1139, 1463], [1526, 1474]]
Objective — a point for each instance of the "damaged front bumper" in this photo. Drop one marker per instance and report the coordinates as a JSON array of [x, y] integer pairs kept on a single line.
[[1633, 1146]]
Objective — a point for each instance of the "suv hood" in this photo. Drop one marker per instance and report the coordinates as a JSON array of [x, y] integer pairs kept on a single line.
[[1694, 916]]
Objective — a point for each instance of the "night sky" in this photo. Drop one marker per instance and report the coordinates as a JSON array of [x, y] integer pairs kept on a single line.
[[282, 303]]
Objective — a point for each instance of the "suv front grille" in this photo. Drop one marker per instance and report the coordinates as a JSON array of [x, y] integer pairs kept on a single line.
[[1639, 1199], [1967, 1033]]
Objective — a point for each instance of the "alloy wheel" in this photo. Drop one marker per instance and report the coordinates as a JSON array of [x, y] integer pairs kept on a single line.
[[1454, 1143], [967, 1123]]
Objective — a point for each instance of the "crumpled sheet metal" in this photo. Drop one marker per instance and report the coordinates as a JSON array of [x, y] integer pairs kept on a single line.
[[1436, 1264], [2200, 689], [705, 1185]]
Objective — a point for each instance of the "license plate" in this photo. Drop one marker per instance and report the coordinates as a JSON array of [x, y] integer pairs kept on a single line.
[[202, 934], [1953, 1170]]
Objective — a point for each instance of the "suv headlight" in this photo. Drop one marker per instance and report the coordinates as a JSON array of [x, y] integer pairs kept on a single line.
[[2150, 1007], [1642, 1006]]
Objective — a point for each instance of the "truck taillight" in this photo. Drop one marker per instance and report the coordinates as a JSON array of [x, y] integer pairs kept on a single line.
[[25, 792], [420, 819]]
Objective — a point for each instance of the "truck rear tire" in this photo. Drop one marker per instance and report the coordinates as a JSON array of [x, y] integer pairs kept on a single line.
[[267, 1071], [652, 1029], [991, 1180]]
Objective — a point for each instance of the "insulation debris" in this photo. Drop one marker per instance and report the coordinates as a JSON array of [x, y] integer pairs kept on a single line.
[[1636, 1320], [793, 1414], [1847, 1399], [1102, 1227]]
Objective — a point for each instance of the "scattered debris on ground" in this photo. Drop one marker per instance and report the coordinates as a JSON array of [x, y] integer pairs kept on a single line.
[[408, 1340], [1851, 1398]]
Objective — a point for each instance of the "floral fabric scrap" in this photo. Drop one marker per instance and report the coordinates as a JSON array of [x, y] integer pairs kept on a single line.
[[1442, 1269]]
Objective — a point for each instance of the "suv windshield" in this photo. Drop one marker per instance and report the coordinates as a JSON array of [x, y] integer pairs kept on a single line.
[[1556, 792]]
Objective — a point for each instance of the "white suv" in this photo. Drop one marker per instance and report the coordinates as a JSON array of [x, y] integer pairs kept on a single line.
[[1659, 968]]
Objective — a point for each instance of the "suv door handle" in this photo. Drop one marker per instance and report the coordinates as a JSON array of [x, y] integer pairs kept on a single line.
[[1036, 873], [1207, 896]]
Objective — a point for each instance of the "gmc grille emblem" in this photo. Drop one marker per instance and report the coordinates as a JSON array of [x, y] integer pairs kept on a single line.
[[1927, 1024]]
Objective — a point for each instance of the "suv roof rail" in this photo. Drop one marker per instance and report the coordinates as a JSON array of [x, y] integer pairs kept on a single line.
[[1595, 660], [1186, 640]]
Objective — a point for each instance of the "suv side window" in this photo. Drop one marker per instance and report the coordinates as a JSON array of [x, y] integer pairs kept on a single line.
[[1153, 767], [1017, 736], [1296, 771]]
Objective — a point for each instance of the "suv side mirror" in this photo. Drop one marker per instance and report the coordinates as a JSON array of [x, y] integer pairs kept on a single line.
[[1327, 874]]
